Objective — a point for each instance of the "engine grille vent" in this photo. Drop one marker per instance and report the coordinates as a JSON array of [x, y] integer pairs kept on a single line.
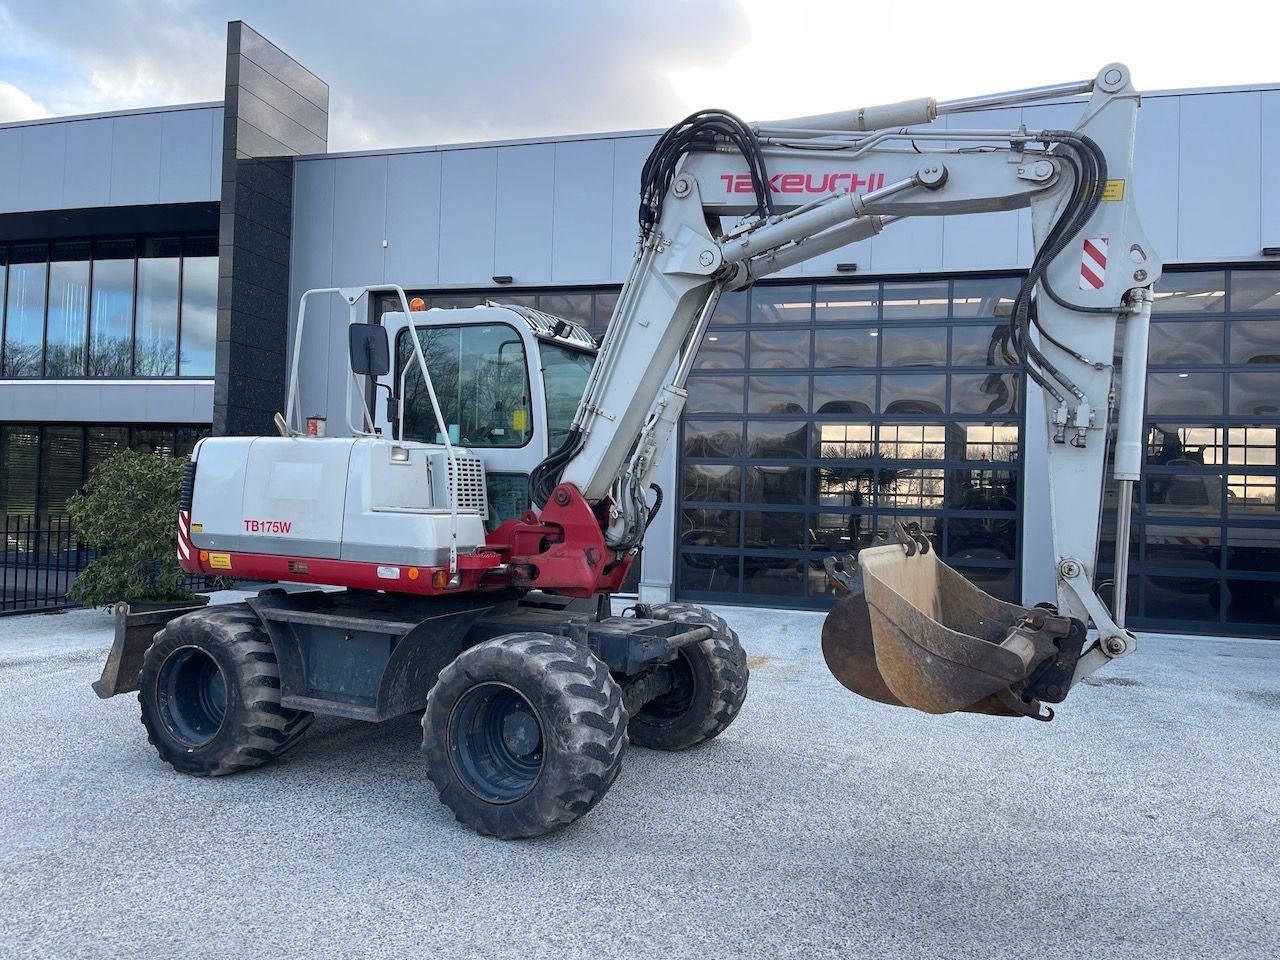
[[466, 484]]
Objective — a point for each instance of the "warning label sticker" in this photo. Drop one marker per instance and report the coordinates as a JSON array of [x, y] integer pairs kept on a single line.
[[220, 561], [1114, 190]]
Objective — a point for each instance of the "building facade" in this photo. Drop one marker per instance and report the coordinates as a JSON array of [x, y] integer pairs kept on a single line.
[[862, 387]]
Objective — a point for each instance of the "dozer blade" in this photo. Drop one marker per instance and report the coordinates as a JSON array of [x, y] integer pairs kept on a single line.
[[920, 635], [133, 635]]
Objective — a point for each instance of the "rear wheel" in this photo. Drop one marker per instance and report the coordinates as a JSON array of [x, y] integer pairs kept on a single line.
[[210, 694], [523, 734], [708, 686]]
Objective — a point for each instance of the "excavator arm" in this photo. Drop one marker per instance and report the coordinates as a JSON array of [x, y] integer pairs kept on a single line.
[[724, 204]]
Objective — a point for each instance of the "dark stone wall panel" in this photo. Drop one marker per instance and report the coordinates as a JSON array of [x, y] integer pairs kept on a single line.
[[274, 109]]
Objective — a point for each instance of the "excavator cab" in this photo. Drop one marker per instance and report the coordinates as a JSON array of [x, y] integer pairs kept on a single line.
[[913, 632]]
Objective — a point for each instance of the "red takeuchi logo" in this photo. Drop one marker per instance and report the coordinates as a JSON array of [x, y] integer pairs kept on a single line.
[[806, 182]]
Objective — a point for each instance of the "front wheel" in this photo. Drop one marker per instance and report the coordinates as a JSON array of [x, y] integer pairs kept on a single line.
[[523, 734], [708, 684], [210, 694]]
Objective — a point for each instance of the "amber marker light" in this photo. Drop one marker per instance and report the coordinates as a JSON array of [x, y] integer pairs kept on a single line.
[[204, 556], [413, 573], [417, 304], [440, 579]]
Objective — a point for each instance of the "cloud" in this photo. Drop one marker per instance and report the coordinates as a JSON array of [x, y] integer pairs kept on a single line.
[[401, 72], [17, 104]]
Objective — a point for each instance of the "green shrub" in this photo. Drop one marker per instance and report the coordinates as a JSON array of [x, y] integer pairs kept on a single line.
[[129, 511]]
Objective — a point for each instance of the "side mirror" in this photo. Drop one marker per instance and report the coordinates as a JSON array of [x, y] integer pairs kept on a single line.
[[370, 351]]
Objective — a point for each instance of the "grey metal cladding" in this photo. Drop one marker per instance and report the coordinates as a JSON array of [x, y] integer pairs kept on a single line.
[[273, 90], [186, 158], [274, 109], [269, 119], [252, 46]]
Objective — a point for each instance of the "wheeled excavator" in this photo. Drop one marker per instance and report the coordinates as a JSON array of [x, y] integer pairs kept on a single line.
[[463, 540]]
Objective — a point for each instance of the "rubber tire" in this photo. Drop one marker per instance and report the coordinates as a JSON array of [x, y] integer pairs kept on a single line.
[[255, 728], [720, 674], [584, 731]]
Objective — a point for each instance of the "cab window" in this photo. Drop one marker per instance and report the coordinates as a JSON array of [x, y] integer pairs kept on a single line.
[[564, 375], [481, 380]]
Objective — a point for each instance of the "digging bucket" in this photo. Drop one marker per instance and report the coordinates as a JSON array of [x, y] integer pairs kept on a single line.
[[920, 635]]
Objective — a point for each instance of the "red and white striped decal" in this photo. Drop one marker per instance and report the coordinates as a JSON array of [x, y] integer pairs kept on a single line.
[[184, 535], [1093, 263]]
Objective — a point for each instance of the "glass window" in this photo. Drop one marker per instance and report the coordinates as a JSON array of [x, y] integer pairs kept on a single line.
[[787, 485], [913, 346], [508, 495], [565, 374], [722, 350], [777, 394], [707, 527], [773, 531], [1255, 341], [1188, 394], [714, 395], [605, 304], [19, 457], [1187, 546], [1253, 495], [993, 442], [731, 311], [1200, 291], [780, 576], [912, 441], [989, 394], [712, 439], [1188, 341], [199, 316], [848, 483], [1183, 494], [913, 393], [479, 376], [984, 297], [847, 348], [68, 322], [157, 440], [916, 300], [1250, 446], [186, 439], [841, 302], [1255, 290], [24, 311], [846, 441], [983, 345], [572, 306], [709, 572], [1176, 443], [982, 538], [62, 460], [1254, 394], [774, 439], [156, 335], [782, 304], [780, 349], [104, 442], [983, 489], [111, 311], [712, 484], [854, 394]]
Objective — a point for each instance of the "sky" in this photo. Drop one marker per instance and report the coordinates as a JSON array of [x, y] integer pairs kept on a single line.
[[421, 72]]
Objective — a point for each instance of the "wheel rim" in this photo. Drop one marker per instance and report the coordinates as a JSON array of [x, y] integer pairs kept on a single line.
[[673, 705], [193, 696], [496, 743]]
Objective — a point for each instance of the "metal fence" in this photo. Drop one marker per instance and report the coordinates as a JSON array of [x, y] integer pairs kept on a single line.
[[40, 558]]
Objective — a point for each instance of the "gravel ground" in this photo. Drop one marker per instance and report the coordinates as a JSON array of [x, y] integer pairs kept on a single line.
[[1144, 822]]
